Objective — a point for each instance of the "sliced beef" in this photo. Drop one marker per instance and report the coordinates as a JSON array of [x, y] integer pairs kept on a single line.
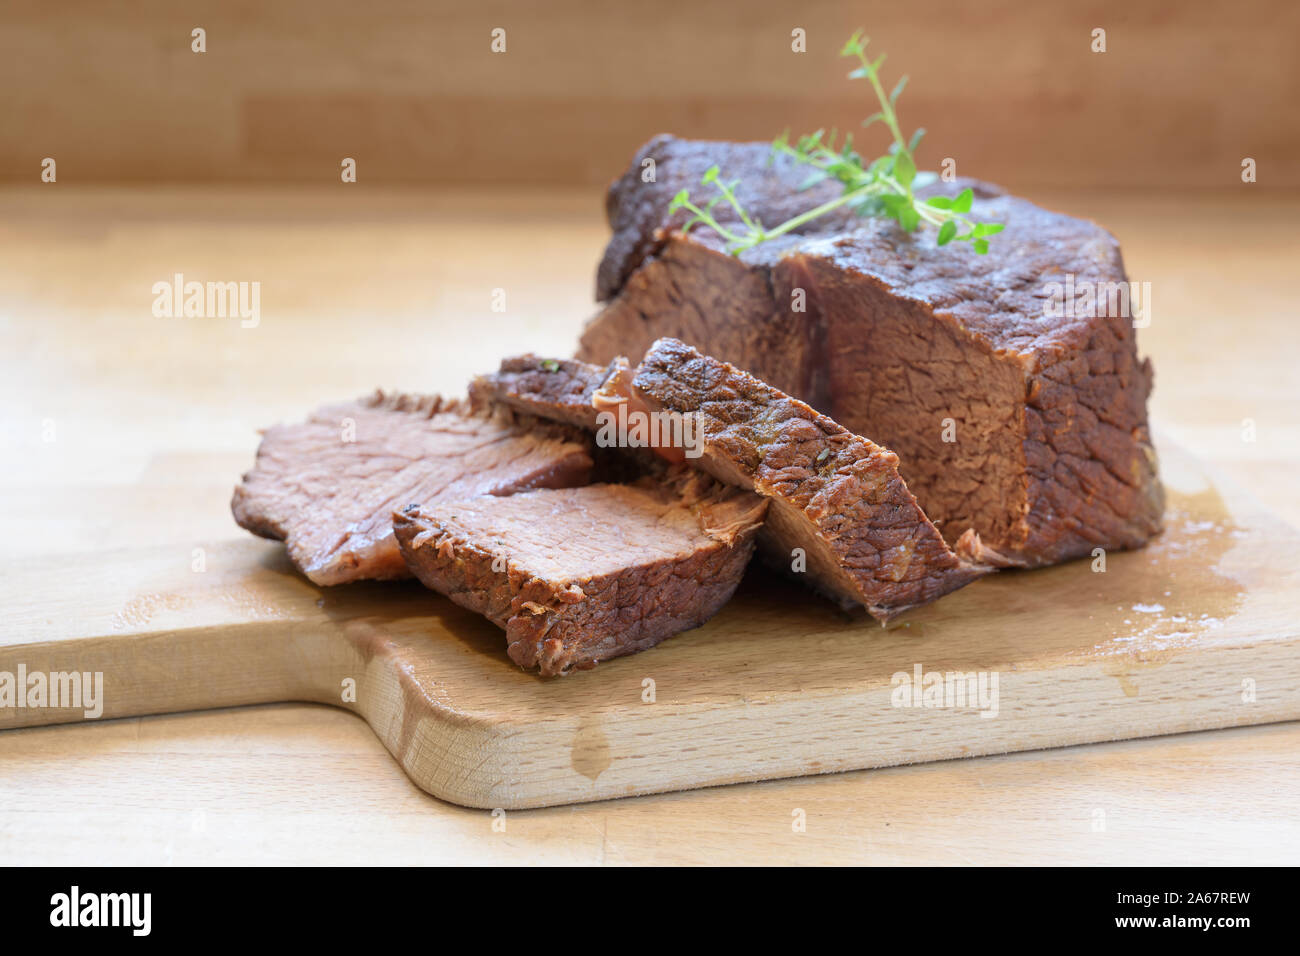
[[562, 390], [580, 575], [840, 515], [740, 308], [838, 505], [569, 391], [327, 487], [657, 283], [1024, 436]]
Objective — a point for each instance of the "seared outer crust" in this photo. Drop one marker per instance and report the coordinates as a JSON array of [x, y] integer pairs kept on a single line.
[[836, 496], [681, 550], [558, 389], [566, 390], [637, 208], [1053, 454]]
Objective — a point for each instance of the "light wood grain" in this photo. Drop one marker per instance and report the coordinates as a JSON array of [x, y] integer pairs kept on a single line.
[[411, 89], [155, 422]]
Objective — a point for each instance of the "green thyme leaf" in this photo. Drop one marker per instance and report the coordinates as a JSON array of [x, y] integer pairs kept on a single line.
[[904, 168], [813, 179], [898, 90]]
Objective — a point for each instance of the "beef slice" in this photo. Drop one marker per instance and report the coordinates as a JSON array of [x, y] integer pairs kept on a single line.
[[840, 516], [327, 487], [579, 575]]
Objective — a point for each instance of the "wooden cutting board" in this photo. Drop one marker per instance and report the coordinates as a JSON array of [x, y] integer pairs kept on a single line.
[[1198, 630]]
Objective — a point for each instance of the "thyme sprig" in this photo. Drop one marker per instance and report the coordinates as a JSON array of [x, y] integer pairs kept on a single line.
[[883, 187]]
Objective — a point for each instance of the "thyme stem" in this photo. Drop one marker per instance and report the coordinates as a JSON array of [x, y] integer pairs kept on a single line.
[[883, 187]]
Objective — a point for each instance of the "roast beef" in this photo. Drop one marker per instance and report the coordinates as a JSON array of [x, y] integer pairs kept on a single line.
[[1023, 435], [327, 487], [562, 390], [840, 516], [580, 575], [637, 203]]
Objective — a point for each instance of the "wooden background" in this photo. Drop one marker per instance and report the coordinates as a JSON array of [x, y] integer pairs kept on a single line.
[[411, 90]]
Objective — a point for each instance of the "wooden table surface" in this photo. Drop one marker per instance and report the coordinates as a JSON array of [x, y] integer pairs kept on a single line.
[[123, 429]]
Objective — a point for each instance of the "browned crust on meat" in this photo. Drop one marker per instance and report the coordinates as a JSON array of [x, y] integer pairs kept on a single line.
[[836, 495], [637, 206], [557, 389], [568, 391], [559, 623], [412, 403], [1053, 456]]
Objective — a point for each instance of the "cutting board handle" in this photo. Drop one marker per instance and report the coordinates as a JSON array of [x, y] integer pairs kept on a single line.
[[132, 674]]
